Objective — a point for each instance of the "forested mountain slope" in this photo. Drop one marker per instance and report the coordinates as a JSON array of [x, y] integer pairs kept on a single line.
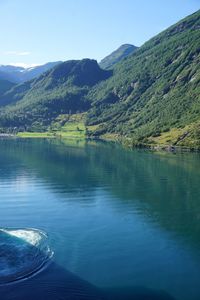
[[58, 91], [5, 86], [155, 89]]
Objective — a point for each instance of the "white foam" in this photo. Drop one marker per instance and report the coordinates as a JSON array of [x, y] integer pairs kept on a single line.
[[23, 252], [30, 236]]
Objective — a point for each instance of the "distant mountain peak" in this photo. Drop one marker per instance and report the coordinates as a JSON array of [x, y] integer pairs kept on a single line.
[[80, 72], [117, 55], [20, 74]]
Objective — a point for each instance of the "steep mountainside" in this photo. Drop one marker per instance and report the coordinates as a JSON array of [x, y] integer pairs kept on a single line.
[[61, 90], [5, 85], [116, 56], [19, 74], [6, 76], [155, 89]]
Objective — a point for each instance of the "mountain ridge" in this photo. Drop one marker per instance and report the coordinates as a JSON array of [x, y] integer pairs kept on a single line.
[[123, 51]]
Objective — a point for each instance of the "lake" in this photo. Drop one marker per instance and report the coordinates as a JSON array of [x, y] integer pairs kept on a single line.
[[122, 224]]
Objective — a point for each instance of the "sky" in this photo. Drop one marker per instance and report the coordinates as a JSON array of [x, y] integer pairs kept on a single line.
[[38, 31]]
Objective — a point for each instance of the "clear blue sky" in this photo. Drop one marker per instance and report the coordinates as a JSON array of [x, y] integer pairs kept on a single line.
[[37, 31]]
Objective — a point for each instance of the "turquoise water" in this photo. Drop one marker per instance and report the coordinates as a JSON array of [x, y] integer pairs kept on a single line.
[[122, 224]]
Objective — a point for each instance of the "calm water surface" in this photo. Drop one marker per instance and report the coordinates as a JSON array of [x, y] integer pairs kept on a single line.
[[122, 224]]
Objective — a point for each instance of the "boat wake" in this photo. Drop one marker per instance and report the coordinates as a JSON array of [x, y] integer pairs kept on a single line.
[[23, 253]]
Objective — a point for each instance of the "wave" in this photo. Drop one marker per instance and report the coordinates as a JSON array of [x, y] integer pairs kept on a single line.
[[23, 253]]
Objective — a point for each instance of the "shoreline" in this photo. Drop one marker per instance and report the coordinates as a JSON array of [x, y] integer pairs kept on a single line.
[[157, 147], [3, 135], [125, 142]]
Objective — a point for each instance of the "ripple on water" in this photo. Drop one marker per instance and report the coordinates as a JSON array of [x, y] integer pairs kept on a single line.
[[23, 252]]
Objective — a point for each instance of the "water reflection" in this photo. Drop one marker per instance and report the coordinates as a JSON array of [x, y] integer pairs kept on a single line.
[[118, 218], [165, 187]]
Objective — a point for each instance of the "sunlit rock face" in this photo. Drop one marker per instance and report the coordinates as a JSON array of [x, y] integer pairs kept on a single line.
[[23, 252]]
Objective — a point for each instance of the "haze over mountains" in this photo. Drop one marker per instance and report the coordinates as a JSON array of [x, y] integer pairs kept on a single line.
[[20, 74], [5, 85], [151, 94]]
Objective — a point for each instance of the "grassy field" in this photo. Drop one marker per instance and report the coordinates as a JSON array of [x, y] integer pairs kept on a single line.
[[35, 134], [169, 137], [188, 136], [65, 126]]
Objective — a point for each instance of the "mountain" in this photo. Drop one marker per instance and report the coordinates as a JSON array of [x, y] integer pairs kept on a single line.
[[20, 74], [60, 90], [154, 93], [5, 86], [116, 56], [150, 97], [7, 77]]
